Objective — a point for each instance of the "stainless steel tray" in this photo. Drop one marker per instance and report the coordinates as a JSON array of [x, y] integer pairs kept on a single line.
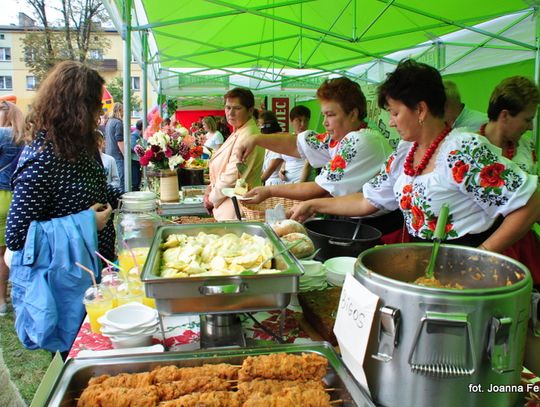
[[220, 295], [76, 372]]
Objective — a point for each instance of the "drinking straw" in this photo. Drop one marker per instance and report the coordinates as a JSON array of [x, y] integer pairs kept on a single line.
[[132, 256], [94, 282], [110, 263]]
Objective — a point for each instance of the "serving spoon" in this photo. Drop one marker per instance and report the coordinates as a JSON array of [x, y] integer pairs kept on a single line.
[[438, 236]]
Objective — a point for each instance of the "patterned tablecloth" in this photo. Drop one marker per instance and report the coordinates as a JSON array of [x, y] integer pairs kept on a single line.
[[183, 331]]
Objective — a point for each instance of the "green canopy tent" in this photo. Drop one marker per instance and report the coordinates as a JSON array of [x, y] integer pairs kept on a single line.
[[195, 47]]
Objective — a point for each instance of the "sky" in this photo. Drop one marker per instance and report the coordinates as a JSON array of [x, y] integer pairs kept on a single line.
[[11, 9]]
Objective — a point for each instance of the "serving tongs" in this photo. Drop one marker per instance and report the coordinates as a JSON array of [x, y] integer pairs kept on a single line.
[[255, 270], [438, 236]]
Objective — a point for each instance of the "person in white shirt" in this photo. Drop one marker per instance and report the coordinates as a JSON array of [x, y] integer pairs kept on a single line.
[[214, 139], [456, 114]]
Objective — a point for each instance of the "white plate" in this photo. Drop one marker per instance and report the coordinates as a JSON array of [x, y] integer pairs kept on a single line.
[[229, 192], [87, 353]]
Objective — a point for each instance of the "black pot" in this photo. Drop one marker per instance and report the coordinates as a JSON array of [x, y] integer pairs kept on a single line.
[[334, 237], [190, 177]]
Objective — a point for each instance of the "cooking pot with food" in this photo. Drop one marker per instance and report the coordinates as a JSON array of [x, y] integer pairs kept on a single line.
[[442, 346], [334, 237]]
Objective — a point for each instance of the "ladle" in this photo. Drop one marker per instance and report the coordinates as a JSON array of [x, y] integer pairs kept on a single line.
[[357, 229], [438, 235]]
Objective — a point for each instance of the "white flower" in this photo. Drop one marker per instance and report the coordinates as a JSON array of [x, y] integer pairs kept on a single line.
[[182, 131], [175, 161], [159, 139]]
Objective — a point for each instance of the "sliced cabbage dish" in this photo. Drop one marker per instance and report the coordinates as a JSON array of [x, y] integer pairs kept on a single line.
[[214, 255]]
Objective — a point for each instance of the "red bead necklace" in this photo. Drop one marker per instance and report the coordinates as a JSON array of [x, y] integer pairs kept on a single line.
[[509, 150], [408, 167]]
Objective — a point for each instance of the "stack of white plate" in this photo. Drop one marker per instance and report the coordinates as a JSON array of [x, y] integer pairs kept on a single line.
[[130, 325], [314, 277], [337, 268]]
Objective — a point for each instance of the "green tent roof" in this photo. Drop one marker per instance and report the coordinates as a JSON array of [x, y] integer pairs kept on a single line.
[[273, 42]]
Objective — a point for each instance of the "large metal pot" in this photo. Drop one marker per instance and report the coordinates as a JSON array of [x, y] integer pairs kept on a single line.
[[432, 346], [334, 237]]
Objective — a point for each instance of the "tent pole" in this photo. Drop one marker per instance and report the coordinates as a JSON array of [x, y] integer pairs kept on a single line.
[[144, 89], [536, 133], [127, 94]]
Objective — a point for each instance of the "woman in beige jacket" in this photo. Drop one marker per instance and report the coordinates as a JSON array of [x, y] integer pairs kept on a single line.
[[239, 104]]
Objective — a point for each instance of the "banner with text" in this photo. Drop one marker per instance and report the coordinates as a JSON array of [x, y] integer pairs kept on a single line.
[[280, 106]]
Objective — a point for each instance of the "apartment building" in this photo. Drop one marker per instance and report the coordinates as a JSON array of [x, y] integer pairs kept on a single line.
[[16, 78]]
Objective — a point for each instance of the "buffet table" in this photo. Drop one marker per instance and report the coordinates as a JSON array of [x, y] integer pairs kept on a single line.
[[182, 332]]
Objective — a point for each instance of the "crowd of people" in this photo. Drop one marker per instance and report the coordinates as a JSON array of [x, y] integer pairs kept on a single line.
[[65, 162]]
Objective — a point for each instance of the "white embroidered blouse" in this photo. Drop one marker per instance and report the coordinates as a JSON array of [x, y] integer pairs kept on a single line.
[[476, 182], [346, 164]]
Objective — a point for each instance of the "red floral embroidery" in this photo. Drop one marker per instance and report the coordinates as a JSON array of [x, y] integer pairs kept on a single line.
[[407, 189], [417, 218], [389, 164], [432, 223], [459, 171], [405, 202], [337, 162], [333, 143], [321, 137], [490, 175]]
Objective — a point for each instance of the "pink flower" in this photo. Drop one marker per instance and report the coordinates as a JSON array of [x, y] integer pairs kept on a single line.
[[168, 152]]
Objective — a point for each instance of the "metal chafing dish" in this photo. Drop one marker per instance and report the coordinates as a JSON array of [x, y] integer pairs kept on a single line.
[[220, 295], [76, 372]]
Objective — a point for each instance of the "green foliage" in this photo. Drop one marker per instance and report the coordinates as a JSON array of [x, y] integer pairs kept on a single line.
[[72, 38], [116, 88], [172, 106]]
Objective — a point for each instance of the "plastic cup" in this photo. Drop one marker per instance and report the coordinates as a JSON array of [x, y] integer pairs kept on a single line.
[[131, 291], [97, 302], [125, 258]]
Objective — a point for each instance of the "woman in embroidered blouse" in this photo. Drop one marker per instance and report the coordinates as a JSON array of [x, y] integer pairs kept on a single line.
[[349, 153], [429, 169], [60, 172]]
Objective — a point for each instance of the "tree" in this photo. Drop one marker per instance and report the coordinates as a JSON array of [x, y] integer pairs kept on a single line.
[[72, 38], [116, 88]]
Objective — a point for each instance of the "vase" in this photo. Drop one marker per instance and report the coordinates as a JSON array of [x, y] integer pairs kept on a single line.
[[168, 186]]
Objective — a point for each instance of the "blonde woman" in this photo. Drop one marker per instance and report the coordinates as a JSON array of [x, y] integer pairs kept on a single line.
[[11, 145], [114, 138], [214, 138]]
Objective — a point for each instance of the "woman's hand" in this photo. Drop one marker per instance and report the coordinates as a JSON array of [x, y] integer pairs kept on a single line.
[[103, 213], [302, 211], [257, 195], [283, 175], [206, 200]]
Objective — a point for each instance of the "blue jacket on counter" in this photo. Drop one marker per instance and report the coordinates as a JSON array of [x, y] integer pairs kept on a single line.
[[47, 286]]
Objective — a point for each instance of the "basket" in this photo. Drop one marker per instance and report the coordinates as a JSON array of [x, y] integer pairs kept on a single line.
[[256, 212]]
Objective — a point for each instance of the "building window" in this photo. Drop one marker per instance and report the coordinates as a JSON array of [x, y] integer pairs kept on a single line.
[[31, 83], [135, 83], [5, 54], [29, 54], [96, 54], [2, 37], [6, 83]]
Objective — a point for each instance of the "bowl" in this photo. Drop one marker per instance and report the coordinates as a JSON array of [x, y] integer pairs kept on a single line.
[[337, 268], [109, 330], [129, 316], [132, 341]]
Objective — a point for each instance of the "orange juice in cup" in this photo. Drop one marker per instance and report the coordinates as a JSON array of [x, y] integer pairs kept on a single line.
[[97, 302], [131, 291], [127, 260]]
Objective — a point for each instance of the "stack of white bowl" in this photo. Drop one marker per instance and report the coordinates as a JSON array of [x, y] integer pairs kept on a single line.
[[130, 325], [337, 268]]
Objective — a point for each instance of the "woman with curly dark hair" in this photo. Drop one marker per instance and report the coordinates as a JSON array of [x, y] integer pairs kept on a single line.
[[60, 172]]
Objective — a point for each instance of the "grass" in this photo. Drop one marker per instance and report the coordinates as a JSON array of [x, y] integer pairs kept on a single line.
[[26, 367]]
